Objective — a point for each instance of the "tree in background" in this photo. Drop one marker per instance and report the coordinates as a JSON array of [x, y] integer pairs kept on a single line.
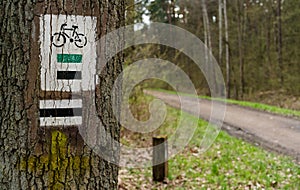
[[256, 42]]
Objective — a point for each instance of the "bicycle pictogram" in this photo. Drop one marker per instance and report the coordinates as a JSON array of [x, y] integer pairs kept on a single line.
[[59, 38]]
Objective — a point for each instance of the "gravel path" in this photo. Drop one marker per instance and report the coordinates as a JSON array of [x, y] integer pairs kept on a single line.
[[272, 132]]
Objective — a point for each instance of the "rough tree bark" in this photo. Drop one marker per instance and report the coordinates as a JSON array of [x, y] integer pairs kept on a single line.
[[32, 157]]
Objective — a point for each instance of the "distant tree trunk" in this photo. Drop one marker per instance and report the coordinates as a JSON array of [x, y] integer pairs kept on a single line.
[[171, 12], [207, 41], [130, 11], [206, 25], [241, 49], [279, 42], [268, 44], [30, 158], [268, 41], [220, 31], [227, 50]]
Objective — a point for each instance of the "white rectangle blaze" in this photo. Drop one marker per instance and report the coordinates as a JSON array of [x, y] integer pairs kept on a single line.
[[68, 64]]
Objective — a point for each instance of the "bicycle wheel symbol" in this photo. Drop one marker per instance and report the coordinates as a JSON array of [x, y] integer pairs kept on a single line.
[[80, 40], [58, 40]]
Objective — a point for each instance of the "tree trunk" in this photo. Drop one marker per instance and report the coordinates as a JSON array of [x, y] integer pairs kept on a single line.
[[220, 31], [279, 42], [33, 156], [207, 40], [227, 50], [268, 40], [241, 49]]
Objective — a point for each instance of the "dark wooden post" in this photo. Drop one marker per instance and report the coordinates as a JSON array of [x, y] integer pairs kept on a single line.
[[160, 158]]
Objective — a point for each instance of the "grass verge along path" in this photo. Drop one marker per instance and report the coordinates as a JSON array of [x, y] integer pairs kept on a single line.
[[229, 164]]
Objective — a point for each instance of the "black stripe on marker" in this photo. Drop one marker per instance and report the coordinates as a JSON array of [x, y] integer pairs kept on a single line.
[[69, 75], [61, 112]]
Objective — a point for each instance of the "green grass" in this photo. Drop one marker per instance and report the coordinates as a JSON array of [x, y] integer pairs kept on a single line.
[[254, 105], [230, 163]]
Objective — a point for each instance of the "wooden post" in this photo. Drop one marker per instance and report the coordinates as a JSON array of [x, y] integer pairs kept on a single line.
[[160, 158]]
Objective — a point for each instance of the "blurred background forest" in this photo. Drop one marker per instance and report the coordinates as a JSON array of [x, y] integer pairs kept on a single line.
[[256, 43]]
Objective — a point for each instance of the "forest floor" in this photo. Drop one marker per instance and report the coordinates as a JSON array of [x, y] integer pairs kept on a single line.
[[271, 131], [278, 98]]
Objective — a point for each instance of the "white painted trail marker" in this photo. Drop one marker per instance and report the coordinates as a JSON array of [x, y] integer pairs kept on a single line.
[[61, 112], [68, 56], [68, 64]]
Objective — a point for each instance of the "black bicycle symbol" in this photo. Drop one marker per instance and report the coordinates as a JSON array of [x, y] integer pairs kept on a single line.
[[59, 38]]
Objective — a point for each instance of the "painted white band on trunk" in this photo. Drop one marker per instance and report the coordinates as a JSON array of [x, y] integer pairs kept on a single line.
[[67, 103], [60, 121]]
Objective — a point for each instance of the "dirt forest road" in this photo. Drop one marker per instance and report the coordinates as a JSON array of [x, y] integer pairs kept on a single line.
[[272, 132]]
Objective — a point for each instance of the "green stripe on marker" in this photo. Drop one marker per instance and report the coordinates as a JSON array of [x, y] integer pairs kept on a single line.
[[69, 58]]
